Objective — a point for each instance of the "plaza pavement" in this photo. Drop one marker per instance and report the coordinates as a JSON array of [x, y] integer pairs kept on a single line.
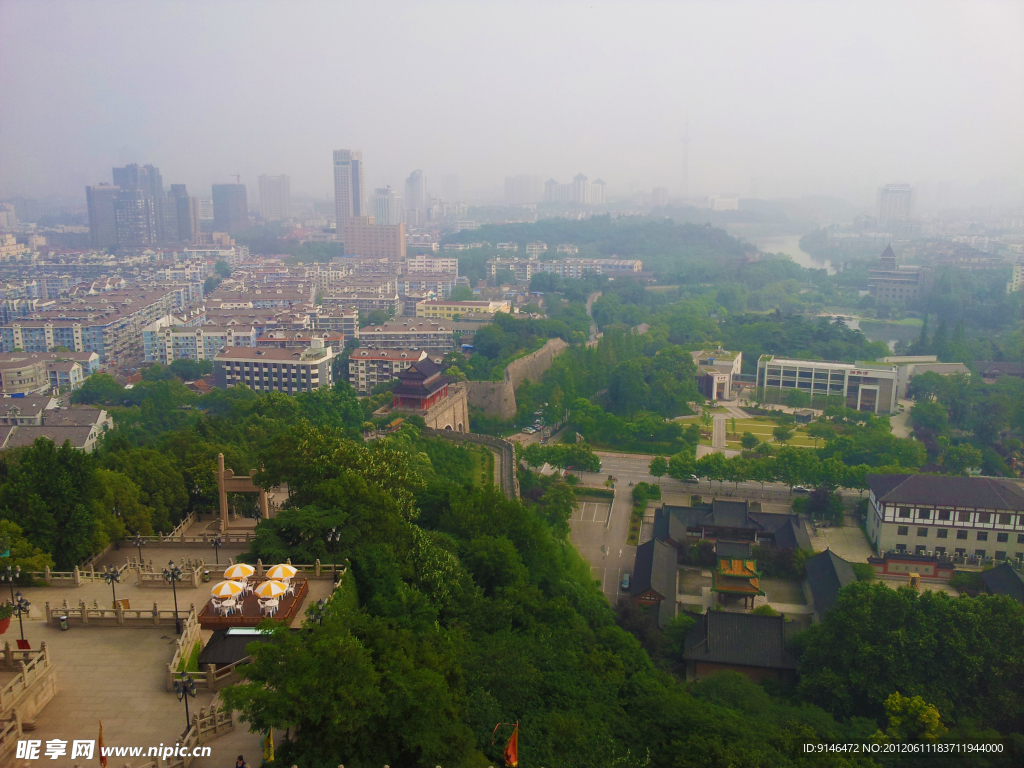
[[117, 674]]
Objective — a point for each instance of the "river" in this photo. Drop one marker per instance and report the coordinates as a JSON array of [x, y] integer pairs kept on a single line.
[[790, 245]]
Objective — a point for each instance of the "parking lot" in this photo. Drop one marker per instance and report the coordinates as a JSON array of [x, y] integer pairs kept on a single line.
[[602, 541], [591, 512]]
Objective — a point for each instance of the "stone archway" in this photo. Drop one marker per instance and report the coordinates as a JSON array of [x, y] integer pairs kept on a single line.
[[448, 427], [226, 481]]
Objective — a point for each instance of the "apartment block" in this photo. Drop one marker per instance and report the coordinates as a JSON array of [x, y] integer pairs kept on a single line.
[[369, 367], [360, 236], [409, 333], [275, 370], [449, 309]]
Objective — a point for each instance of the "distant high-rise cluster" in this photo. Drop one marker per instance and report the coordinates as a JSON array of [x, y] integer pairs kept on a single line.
[[349, 185], [580, 192], [523, 190], [450, 187], [135, 211], [230, 208], [275, 198], [416, 200], [388, 206], [895, 202]]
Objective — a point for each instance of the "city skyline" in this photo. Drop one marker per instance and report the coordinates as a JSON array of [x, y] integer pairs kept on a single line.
[[931, 98]]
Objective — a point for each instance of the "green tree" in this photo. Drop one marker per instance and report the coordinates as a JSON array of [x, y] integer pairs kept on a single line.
[[462, 293], [99, 389], [959, 459], [820, 430], [749, 441], [712, 466], [681, 465], [222, 268], [21, 552], [782, 434], [658, 466], [910, 719]]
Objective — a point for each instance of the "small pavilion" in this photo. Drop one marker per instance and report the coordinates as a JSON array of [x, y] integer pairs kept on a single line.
[[736, 578]]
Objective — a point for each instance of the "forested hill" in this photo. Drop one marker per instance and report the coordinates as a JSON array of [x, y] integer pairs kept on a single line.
[[662, 245]]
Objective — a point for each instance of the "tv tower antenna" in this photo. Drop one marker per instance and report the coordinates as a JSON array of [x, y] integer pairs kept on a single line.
[[686, 157]]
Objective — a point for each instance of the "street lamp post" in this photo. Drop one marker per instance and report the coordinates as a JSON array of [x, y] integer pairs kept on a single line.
[[112, 576], [333, 539], [318, 610], [172, 574], [217, 542], [21, 605], [185, 688], [139, 543], [10, 575]]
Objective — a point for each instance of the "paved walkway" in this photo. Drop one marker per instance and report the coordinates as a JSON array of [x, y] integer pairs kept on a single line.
[[847, 541], [900, 422], [718, 432]]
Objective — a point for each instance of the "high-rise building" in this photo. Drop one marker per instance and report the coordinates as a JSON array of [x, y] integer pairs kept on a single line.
[[230, 209], [416, 202], [205, 207], [580, 190], [146, 180], [187, 214], [659, 196], [349, 185], [450, 187], [895, 202], [275, 198], [387, 206], [597, 192], [135, 214], [522, 190], [102, 217]]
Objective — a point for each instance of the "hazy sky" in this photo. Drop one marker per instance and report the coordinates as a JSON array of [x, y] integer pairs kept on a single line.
[[784, 98]]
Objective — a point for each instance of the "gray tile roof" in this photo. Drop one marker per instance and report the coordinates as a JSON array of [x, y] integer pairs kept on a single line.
[[655, 569], [1003, 580], [827, 573], [743, 639], [948, 491]]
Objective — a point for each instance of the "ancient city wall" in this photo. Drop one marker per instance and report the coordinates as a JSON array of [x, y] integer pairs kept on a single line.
[[498, 398]]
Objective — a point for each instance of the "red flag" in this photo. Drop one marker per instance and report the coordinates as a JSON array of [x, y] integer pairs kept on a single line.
[[103, 758], [511, 753]]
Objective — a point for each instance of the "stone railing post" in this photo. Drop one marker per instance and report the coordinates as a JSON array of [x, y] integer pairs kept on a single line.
[[46, 574], [211, 677], [316, 568], [85, 611], [78, 577], [46, 611], [259, 568], [156, 613], [195, 577], [119, 613], [8, 655], [289, 561]]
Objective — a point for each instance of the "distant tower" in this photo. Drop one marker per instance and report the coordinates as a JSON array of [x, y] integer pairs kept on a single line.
[[275, 197], [349, 185]]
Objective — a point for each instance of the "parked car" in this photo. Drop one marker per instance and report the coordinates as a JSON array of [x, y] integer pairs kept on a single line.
[[691, 479], [526, 430], [625, 581], [801, 489]]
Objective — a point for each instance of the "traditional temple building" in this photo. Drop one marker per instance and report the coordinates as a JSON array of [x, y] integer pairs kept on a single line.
[[423, 391], [734, 579]]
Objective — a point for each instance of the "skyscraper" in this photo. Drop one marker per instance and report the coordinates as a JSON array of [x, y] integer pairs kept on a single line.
[[895, 202], [416, 202], [387, 207], [187, 210], [275, 198], [102, 218], [146, 180], [230, 209], [135, 214], [349, 185], [580, 190]]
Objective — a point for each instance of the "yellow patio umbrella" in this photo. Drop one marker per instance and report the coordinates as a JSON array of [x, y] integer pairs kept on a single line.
[[282, 572], [270, 589], [226, 589], [239, 571]]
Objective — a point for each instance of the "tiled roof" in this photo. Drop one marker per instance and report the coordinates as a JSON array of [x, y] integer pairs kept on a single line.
[[948, 491], [1003, 580], [740, 638], [827, 573]]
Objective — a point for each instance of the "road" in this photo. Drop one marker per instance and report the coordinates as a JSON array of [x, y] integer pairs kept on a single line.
[[601, 538], [718, 432]]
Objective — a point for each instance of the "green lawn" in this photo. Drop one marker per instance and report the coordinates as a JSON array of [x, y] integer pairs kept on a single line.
[[763, 429]]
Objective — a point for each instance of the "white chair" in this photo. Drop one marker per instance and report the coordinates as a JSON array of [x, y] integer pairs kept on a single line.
[[290, 590]]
